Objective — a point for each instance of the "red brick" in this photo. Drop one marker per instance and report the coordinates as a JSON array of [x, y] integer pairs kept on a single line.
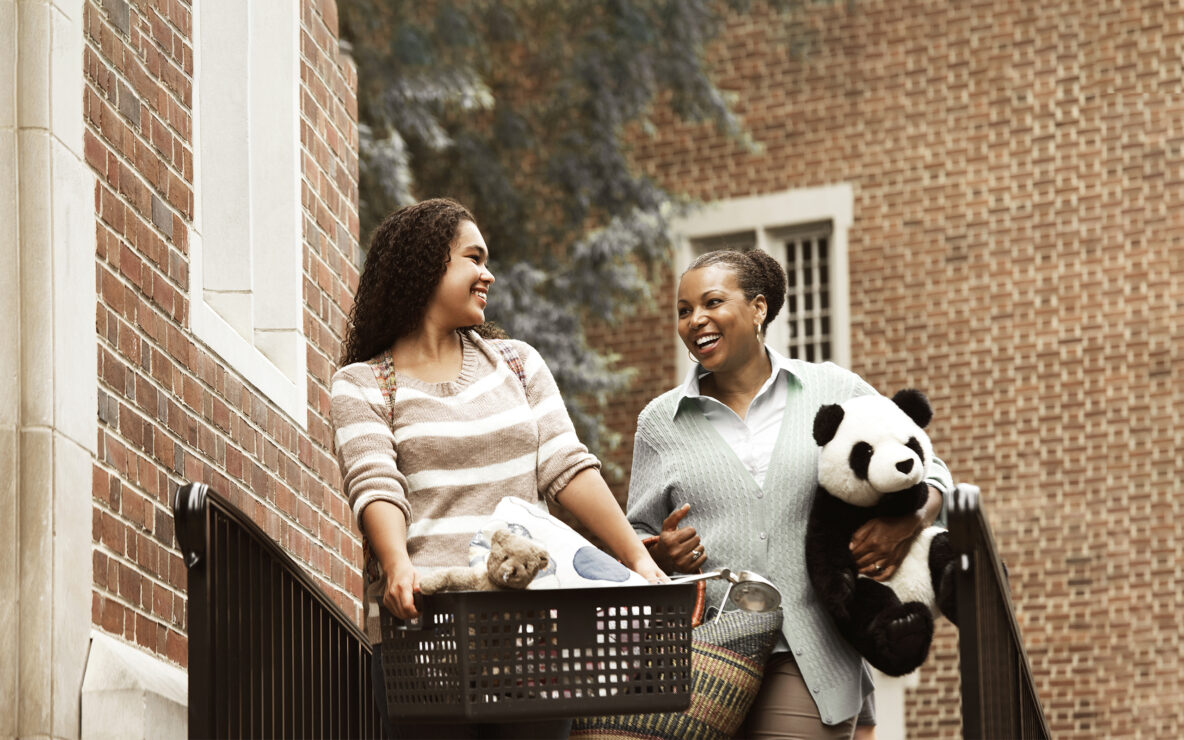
[[145, 632], [190, 410], [1011, 239]]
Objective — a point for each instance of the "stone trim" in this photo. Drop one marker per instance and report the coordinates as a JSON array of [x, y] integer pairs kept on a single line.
[[129, 694]]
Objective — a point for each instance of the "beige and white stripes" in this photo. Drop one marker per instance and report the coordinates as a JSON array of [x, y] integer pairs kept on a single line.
[[455, 450]]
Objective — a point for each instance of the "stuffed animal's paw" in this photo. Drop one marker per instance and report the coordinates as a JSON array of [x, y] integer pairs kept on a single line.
[[902, 636], [432, 583], [456, 578], [838, 592], [947, 592], [943, 568]]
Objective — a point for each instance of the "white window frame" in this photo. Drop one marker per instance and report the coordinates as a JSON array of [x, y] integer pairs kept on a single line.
[[246, 245], [766, 216]]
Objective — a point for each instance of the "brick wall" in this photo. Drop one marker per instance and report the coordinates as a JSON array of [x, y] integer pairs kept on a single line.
[[170, 411], [1016, 252], [645, 341]]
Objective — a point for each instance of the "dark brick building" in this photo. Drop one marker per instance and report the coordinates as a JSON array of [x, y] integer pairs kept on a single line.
[[1014, 246]]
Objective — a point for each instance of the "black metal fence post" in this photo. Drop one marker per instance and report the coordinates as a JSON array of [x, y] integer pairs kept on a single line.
[[999, 697], [270, 655]]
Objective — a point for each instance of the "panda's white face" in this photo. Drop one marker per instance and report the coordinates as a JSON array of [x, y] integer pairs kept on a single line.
[[877, 449]]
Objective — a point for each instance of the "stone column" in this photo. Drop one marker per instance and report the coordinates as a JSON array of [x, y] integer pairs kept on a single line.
[[48, 391]]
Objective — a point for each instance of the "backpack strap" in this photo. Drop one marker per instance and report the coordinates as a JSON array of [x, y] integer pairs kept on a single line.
[[512, 358], [384, 370]]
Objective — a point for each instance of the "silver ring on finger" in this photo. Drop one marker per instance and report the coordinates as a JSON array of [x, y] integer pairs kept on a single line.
[[696, 554]]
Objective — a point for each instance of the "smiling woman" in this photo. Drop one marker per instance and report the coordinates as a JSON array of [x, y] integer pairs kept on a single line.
[[724, 470], [726, 300], [436, 420], [463, 292]]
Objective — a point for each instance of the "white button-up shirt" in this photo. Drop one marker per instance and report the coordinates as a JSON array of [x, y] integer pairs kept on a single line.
[[753, 437]]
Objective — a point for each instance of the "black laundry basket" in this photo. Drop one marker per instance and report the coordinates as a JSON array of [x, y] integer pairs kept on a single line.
[[514, 655]]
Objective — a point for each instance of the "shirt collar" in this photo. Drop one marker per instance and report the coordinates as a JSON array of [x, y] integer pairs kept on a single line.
[[689, 390]]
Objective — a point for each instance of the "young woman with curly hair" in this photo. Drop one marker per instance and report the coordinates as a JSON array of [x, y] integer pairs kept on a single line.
[[472, 419]]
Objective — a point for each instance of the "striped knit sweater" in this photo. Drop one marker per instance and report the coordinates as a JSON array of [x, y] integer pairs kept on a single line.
[[454, 450], [680, 458]]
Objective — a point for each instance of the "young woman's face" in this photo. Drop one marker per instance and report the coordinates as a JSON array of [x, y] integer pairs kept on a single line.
[[461, 296], [716, 323]]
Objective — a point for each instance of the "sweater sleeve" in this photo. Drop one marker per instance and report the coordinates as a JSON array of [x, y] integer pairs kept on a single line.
[[365, 443], [648, 504], [561, 455]]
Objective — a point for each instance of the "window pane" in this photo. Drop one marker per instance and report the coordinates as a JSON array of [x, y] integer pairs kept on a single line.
[[807, 301]]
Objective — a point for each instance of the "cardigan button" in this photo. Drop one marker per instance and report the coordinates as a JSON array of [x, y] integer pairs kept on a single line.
[[764, 536]]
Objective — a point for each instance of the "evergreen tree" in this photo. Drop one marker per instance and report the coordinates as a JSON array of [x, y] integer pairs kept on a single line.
[[520, 109]]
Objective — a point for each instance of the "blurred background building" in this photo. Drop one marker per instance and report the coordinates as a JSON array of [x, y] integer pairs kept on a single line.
[[982, 200]]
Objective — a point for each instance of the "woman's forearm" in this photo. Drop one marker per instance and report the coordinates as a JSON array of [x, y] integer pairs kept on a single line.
[[588, 497], [386, 530]]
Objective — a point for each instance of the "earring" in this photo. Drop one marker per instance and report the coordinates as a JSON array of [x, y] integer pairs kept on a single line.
[[692, 357]]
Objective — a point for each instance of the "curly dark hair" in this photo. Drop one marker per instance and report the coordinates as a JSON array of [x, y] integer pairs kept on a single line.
[[409, 253], [756, 271]]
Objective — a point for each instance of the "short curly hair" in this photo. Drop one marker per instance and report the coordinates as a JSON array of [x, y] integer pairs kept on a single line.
[[757, 272], [408, 256]]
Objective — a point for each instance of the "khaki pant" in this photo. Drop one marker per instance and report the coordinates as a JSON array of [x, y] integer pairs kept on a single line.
[[784, 708]]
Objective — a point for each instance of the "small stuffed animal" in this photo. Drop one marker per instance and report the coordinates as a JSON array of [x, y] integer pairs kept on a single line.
[[513, 562], [873, 461]]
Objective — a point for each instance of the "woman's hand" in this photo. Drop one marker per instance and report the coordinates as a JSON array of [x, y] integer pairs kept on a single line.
[[679, 548], [589, 498], [386, 526], [401, 584], [880, 545], [648, 569]]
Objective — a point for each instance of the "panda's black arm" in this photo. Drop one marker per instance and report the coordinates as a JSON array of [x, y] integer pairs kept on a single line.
[[901, 502], [828, 553]]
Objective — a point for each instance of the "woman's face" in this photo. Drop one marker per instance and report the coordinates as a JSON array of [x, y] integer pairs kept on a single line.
[[460, 298], [716, 323]]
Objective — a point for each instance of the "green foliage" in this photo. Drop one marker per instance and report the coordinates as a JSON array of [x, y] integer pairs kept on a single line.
[[521, 110]]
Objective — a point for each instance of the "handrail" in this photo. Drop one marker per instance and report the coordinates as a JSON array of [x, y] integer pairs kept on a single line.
[[270, 655], [999, 698]]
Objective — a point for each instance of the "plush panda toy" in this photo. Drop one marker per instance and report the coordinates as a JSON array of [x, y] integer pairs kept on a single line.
[[873, 462]]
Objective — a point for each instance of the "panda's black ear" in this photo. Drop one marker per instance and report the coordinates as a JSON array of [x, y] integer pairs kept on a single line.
[[826, 423], [914, 403]]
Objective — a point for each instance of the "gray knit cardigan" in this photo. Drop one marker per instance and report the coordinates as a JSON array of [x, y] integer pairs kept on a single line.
[[679, 458]]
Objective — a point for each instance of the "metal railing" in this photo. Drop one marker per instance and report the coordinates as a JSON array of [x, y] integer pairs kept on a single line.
[[999, 698], [269, 654]]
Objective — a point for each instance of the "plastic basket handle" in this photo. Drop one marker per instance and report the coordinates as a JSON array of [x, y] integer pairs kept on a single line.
[[700, 588], [411, 625]]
